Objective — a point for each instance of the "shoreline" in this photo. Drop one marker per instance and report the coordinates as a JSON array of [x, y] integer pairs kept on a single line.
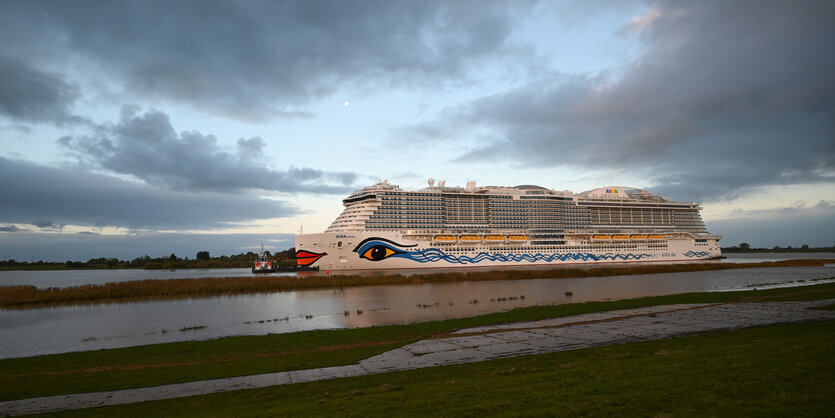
[[124, 264], [30, 297], [190, 361]]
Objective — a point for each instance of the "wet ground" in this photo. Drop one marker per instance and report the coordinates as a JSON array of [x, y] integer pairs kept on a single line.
[[480, 344]]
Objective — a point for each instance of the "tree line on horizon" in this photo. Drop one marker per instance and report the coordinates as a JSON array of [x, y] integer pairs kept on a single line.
[[201, 260], [746, 248]]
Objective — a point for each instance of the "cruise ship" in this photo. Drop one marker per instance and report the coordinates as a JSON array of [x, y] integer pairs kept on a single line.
[[386, 227]]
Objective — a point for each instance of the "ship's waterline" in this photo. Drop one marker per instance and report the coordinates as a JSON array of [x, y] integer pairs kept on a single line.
[[386, 227]]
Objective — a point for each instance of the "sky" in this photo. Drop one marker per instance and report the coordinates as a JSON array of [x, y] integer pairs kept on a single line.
[[155, 127]]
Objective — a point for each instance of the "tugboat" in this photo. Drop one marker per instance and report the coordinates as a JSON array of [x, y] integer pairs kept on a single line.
[[263, 263]]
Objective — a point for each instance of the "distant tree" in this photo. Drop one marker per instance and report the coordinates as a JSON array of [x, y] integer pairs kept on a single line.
[[744, 246], [804, 247], [289, 254], [173, 257], [203, 256], [776, 248]]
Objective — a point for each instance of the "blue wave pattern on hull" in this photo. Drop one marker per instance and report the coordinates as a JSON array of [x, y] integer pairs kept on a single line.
[[691, 254], [431, 255], [378, 249]]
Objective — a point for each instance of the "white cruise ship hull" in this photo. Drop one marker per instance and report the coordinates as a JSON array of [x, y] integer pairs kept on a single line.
[[364, 250]]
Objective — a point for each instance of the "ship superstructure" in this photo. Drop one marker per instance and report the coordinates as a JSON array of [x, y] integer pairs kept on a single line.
[[386, 227]]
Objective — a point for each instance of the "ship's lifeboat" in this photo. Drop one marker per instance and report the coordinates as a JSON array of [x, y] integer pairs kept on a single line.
[[517, 238], [638, 236], [600, 237], [473, 239], [656, 236], [494, 239], [445, 238], [620, 237], [578, 237]]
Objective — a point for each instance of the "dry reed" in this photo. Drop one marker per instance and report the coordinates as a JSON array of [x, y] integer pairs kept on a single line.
[[20, 297]]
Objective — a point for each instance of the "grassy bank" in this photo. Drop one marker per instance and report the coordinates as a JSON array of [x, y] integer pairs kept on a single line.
[[30, 296], [160, 364], [769, 371]]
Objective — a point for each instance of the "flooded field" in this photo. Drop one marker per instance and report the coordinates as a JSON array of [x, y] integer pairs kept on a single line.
[[76, 328]]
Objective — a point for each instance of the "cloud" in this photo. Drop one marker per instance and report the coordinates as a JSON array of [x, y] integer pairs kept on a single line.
[[793, 225], [48, 196], [42, 224], [30, 95], [261, 60], [825, 204], [799, 208], [48, 225], [147, 147], [727, 95]]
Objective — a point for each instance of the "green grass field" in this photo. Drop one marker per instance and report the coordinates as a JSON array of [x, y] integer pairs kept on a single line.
[[769, 371], [160, 364]]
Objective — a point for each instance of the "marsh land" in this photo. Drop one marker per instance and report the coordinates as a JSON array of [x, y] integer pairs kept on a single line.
[[23, 296]]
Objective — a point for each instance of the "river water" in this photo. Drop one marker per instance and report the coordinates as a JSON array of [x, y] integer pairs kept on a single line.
[[67, 278], [92, 327]]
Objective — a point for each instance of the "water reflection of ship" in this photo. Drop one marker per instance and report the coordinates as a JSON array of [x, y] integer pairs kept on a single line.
[[357, 312]]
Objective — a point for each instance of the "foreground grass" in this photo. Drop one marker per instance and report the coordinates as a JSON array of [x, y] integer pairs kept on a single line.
[[160, 364], [769, 371], [19, 297]]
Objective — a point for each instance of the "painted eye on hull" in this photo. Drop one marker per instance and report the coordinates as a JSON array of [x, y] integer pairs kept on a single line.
[[378, 248], [378, 252]]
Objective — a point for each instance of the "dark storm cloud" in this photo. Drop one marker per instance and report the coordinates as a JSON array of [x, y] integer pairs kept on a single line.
[[727, 95], [42, 224], [30, 95], [147, 146], [48, 225], [258, 60], [47, 196]]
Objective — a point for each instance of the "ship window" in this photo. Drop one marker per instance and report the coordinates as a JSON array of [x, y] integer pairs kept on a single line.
[[339, 244], [343, 259]]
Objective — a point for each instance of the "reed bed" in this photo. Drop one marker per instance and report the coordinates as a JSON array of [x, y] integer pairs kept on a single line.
[[22, 297]]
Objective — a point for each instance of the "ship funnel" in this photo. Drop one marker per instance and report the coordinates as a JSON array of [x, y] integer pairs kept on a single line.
[[431, 182]]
